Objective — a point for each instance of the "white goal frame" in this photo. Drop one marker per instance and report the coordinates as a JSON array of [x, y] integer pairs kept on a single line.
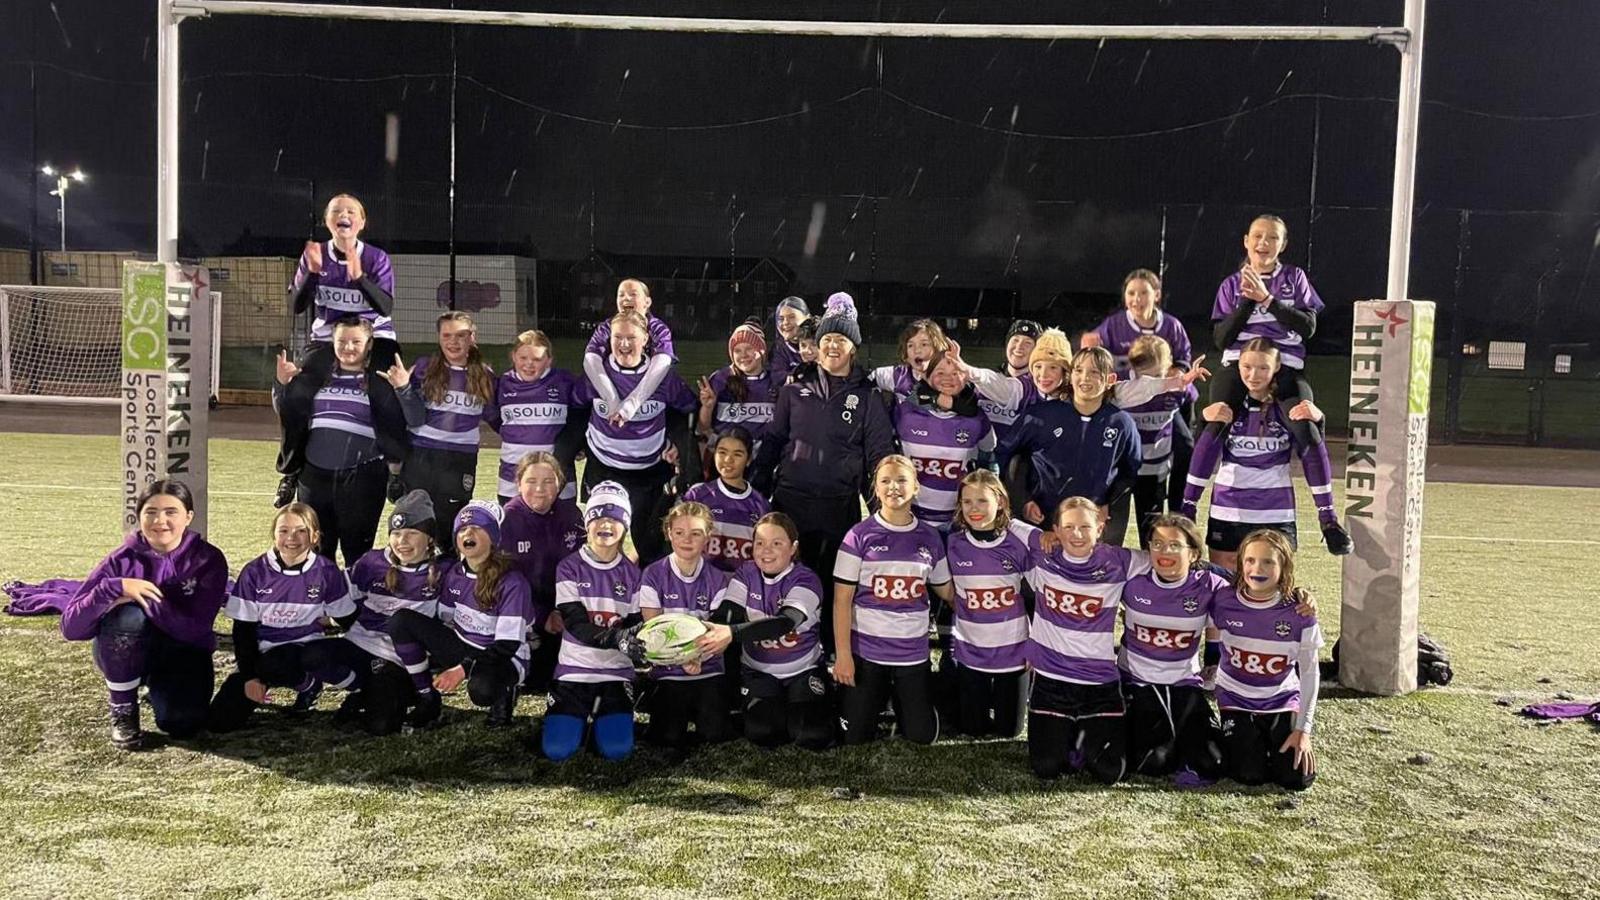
[[113, 298], [1406, 38]]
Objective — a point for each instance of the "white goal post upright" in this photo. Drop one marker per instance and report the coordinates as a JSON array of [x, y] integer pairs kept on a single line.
[[1407, 39]]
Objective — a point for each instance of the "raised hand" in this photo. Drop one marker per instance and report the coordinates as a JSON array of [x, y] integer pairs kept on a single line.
[[1252, 287], [286, 369], [397, 374], [1196, 371], [312, 257], [352, 265], [1217, 412], [708, 397]]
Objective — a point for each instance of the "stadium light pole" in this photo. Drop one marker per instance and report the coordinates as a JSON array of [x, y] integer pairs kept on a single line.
[[64, 180]]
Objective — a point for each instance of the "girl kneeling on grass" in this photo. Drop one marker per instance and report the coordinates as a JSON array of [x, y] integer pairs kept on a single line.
[[542, 527], [773, 609], [685, 582], [1076, 708], [1170, 725], [596, 594], [402, 576], [148, 607], [1268, 677], [481, 635], [278, 606], [887, 566], [988, 557]]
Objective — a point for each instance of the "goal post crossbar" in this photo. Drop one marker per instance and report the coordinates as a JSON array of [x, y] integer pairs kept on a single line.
[[1406, 38], [698, 25]]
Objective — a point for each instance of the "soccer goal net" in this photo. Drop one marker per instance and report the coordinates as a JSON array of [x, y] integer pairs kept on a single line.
[[64, 344]]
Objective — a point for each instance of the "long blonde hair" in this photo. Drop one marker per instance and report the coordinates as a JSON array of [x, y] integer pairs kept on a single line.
[[480, 384]]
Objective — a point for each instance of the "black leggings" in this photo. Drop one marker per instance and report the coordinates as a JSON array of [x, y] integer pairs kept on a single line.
[[797, 710], [1182, 452], [316, 365], [822, 522], [1077, 727], [488, 675], [1149, 499], [647, 494], [910, 686], [448, 477], [282, 666], [1250, 743], [1289, 387], [674, 704], [990, 703], [130, 648], [348, 504], [1171, 728]]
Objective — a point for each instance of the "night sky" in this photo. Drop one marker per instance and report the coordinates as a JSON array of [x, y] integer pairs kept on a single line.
[[1041, 168]]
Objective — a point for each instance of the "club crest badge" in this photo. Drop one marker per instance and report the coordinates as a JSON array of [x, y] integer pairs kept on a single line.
[[963, 436], [1191, 605], [1282, 628]]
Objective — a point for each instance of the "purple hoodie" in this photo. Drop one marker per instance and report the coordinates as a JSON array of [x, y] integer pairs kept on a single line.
[[193, 580], [536, 542]]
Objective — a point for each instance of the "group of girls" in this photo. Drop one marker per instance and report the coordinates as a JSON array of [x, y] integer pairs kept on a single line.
[[1034, 616], [533, 593]]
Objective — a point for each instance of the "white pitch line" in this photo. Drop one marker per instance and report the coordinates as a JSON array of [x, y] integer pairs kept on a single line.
[[1508, 540], [110, 489]]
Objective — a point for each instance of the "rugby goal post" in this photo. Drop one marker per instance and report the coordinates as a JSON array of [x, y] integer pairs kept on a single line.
[[63, 345], [1407, 39]]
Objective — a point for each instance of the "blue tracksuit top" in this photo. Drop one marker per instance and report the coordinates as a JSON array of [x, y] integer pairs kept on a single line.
[[1095, 456], [826, 435]]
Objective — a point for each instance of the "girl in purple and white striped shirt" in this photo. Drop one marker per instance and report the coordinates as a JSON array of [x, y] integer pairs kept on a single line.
[[278, 606], [533, 405], [637, 451], [886, 568], [459, 389], [357, 437], [1250, 456], [988, 557]]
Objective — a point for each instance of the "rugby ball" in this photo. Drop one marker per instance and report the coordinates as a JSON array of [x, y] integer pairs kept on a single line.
[[669, 638]]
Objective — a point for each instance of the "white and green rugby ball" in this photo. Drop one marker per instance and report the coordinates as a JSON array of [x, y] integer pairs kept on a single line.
[[669, 639]]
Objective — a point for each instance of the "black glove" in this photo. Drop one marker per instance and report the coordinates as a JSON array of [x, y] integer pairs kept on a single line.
[[396, 488], [628, 642]]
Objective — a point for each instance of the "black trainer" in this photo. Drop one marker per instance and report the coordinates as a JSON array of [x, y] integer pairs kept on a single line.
[[503, 708], [305, 701], [1337, 538], [286, 488], [125, 733], [427, 711]]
